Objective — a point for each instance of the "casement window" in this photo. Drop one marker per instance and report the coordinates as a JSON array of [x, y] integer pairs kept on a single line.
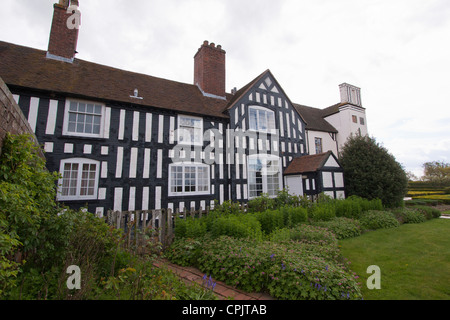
[[190, 130], [361, 121], [84, 119], [264, 175], [355, 119], [79, 179], [261, 119], [318, 143], [188, 179]]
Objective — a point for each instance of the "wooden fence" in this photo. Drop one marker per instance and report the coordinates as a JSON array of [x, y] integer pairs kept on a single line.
[[139, 226]]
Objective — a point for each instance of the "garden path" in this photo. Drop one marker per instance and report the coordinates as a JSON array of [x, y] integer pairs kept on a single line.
[[221, 290]]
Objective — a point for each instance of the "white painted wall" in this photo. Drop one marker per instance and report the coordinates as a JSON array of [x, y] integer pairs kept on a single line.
[[327, 142], [342, 121]]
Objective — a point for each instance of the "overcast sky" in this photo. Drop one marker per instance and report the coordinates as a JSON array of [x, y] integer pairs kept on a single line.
[[396, 51]]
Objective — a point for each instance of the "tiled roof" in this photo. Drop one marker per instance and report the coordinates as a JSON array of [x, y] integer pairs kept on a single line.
[[307, 163], [315, 119], [26, 67], [30, 68]]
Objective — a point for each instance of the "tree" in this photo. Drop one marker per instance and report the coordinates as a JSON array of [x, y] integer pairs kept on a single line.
[[436, 171], [371, 172]]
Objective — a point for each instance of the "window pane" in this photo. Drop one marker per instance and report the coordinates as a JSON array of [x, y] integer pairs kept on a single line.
[[73, 106], [262, 118], [253, 119], [271, 121], [90, 108]]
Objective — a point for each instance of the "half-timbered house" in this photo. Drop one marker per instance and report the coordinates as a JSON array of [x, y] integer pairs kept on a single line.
[[128, 141]]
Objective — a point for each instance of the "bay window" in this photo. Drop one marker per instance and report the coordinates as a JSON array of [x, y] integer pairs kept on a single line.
[[264, 175]]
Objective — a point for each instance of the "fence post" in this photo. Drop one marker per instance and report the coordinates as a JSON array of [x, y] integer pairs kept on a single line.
[[163, 222]]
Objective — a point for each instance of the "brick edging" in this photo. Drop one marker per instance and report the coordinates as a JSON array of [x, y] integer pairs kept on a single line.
[[221, 290]]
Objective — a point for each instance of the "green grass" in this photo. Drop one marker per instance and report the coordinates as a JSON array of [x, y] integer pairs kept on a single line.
[[414, 260]]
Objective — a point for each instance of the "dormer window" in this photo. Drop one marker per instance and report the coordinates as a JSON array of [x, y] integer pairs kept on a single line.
[[261, 119]]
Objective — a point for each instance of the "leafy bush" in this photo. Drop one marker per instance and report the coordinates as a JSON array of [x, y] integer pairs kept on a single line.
[[321, 211], [294, 215], [261, 203], [374, 219], [238, 226], [447, 190], [190, 227], [371, 172], [288, 271], [184, 252], [428, 212], [270, 220], [408, 215], [306, 233], [227, 207], [342, 227]]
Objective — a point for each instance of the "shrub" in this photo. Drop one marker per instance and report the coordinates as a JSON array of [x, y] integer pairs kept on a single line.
[[184, 252], [270, 220], [321, 211], [227, 207], [261, 203], [408, 215], [238, 226], [190, 227], [353, 206], [428, 212], [294, 215], [373, 219], [371, 172], [447, 190], [342, 227], [288, 271], [306, 233], [283, 199]]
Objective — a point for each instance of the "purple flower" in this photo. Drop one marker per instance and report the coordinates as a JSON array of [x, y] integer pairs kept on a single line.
[[272, 255]]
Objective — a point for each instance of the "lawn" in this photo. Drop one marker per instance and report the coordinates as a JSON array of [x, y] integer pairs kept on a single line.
[[414, 260]]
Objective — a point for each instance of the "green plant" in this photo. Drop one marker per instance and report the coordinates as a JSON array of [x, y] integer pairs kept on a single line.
[[371, 172], [261, 203], [408, 215], [290, 270], [322, 211], [238, 226], [374, 219], [428, 212], [342, 227], [184, 252], [305, 233], [190, 227]]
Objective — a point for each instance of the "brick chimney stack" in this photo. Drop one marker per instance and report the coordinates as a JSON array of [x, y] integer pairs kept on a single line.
[[63, 40], [209, 70]]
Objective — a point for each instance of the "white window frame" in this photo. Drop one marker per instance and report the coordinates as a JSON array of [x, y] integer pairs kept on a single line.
[[180, 131], [258, 129], [80, 162], [264, 158], [184, 165], [66, 131]]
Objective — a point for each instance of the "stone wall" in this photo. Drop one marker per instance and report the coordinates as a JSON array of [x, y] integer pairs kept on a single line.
[[11, 117]]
